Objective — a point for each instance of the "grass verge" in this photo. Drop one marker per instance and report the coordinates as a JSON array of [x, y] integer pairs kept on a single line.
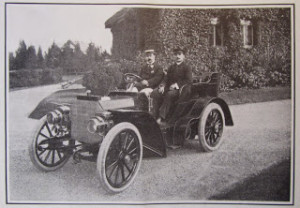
[[242, 96]]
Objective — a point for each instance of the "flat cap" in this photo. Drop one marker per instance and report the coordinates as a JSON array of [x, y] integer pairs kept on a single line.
[[180, 48]]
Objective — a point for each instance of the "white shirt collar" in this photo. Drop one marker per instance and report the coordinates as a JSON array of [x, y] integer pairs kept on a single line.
[[179, 63]]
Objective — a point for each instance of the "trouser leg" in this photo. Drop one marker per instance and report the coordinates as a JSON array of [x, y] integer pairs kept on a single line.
[[157, 99], [185, 94], [168, 103], [139, 86]]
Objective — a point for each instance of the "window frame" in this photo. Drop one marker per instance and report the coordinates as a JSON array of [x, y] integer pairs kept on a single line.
[[247, 29], [215, 23]]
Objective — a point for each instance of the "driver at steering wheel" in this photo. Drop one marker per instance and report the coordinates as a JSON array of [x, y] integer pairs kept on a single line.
[[151, 74]]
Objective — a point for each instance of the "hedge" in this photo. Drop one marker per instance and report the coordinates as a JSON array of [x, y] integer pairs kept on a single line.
[[34, 77]]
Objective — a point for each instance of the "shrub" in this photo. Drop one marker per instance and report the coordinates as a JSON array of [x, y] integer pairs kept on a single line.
[[104, 77], [277, 78]]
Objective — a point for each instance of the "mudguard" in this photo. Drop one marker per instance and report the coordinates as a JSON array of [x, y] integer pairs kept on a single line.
[[153, 141], [191, 112], [54, 100], [202, 102]]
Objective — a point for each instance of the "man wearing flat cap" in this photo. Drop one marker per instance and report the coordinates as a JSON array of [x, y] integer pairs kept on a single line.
[[151, 73], [171, 91]]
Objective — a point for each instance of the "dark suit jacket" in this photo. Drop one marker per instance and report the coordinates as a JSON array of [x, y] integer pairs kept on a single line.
[[153, 75], [180, 74]]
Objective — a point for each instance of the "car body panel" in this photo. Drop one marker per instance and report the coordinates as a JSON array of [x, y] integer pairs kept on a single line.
[[51, 102], [84, 107], [153, 140], [187, 115], [69, 97]]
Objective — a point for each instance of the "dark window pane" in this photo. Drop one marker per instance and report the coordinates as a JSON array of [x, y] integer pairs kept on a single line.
[[249, 35], [219, 35]]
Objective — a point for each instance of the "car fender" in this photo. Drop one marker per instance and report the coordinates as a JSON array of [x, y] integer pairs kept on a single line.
[[51, 102], [181, 125], [153, 140], [201, 103]]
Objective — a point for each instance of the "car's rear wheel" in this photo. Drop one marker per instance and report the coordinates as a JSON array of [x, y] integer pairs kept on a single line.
[[210, 127], [49, 149], [120, 157]]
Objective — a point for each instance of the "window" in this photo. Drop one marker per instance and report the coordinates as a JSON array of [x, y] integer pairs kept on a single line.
[[247, 31], [217, 35]]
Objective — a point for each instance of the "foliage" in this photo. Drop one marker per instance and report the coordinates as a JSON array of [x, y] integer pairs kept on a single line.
[[26, 58], [31, 61], [21, 56], [266, 63], [53, 56], [34, 77], [69, 59], [12, 62], [40, 59], [103, 78]]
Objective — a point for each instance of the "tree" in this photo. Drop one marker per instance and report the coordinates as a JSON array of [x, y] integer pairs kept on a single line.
[[53, 57], [105, 55], [78, 59], [21, 55], [12, 62], [67, 54], [93, 53], [40, 59], [31, 61]]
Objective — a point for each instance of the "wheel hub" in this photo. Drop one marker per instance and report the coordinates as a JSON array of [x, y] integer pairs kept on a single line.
[[123, 156], [216, 128], [127, 158]]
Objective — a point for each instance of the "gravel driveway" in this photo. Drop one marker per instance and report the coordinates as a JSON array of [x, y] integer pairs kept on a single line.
[[260, 138]]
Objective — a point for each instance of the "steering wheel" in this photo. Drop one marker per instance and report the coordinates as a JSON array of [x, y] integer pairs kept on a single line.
[[131, 78]]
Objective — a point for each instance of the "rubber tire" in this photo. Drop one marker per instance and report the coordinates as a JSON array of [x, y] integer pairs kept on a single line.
[[104, 147], [201, 127], [32, 147]]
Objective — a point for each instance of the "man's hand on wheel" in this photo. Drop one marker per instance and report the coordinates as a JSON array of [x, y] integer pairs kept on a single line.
[[174, 86], [145, 82]]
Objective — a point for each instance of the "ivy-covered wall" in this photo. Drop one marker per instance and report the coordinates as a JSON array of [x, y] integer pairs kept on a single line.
[[266, 63]]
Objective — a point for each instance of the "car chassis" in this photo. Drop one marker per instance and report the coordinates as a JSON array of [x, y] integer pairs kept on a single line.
[[118, 130]]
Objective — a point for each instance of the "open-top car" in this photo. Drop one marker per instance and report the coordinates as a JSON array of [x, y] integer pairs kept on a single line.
[[118, 130]]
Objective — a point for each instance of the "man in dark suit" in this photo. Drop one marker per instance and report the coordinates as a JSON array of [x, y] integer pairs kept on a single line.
[[170, 91], [151, 73]]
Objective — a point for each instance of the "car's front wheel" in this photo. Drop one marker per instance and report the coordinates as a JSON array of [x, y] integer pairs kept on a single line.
[[50, 149], [120, 157], [210, 127]]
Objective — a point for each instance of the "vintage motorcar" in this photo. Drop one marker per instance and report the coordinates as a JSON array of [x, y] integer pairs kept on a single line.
[[118, 130]]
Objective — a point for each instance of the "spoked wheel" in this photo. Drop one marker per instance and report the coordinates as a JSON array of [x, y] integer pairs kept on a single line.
[[211, 127], [120, 157], [50, 149]]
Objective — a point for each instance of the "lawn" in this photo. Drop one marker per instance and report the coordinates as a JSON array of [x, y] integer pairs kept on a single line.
[[242, 96]]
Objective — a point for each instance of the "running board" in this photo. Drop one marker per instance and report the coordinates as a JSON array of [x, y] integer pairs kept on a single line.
[[161, 154]]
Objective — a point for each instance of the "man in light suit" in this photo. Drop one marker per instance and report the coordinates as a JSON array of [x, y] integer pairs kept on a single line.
[[151, 74]]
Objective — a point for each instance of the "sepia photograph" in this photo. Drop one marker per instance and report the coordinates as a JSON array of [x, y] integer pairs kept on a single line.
[[149, 104]]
